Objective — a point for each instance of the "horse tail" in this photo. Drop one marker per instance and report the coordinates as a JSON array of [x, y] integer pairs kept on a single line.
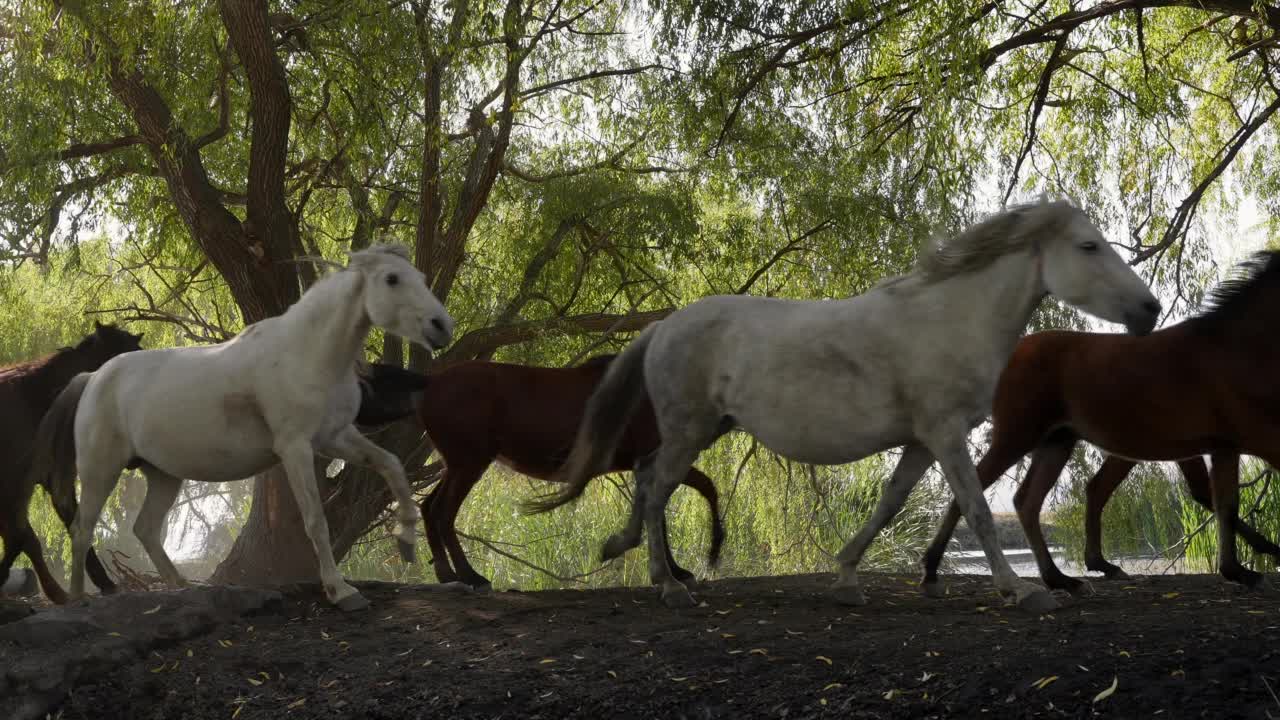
[[605, 419], [53, 456], [700, 482]]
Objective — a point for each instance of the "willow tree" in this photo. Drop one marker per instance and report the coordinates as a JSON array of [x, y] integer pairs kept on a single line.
[[259, 136]]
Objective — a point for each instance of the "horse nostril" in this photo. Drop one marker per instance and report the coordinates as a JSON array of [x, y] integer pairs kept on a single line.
[[439, 326], [1152, 307]]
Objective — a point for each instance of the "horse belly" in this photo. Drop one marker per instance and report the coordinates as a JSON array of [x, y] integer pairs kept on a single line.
[[218, 445]]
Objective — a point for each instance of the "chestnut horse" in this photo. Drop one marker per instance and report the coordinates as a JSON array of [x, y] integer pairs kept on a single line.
[[26, 392], [1201, 387], [1113, 472], [524, 417]]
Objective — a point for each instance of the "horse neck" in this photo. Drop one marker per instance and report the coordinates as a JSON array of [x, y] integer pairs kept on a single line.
[[329, 324], [1008, 291], [51, 374]]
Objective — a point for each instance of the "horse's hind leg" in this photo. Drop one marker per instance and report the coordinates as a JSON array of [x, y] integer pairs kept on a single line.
[[1201, 488], [97, 480], [681, 447], [1225, 481], [1046, 465], [911, 467], [162, 491], [66, 509], [435, 539], [1101, 486], [35, 553]]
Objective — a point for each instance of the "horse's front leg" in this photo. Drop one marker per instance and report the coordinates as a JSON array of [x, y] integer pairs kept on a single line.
[[915, 460], [1224, 475], [948, 445], [297, 457], [349, 445]]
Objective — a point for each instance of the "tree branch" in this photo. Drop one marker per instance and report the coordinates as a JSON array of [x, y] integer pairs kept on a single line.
[[1037, 104], [478, 342], [1186, 209]]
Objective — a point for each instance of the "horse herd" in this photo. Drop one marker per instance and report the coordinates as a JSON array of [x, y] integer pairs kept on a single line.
[[916, 362]]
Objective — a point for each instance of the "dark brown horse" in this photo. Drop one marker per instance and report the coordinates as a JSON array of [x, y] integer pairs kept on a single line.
[[1113, 472], [26, 392], [1206, 386], [523, 417]]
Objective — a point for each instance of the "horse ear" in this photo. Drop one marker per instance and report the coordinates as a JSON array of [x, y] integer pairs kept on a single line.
[[138, 337], [97, 325]]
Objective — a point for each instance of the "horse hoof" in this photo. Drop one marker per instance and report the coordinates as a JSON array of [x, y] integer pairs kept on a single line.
[[407, 555], [353, 603], [933, 589], [849, 595], [1038, 602], [677, 597], [483, 588], [1118, 574]]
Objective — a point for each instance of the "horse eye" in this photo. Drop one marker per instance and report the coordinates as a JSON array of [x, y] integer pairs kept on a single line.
[[1089, 246], [393, 279]]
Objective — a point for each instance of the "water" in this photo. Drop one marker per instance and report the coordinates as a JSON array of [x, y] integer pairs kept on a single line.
[[973, 562]]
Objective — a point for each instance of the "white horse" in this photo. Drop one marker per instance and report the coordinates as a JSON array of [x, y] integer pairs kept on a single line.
[[913, 363], [281, 391]]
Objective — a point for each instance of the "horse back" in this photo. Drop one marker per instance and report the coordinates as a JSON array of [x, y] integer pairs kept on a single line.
[[524, 415]]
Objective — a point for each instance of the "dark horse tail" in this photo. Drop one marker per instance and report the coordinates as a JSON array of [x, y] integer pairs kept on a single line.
[[53, 457], [610, 408]]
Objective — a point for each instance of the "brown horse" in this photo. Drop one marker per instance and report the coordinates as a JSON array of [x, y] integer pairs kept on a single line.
[[1206, 386], [26, 392], [523, 417], [1114, 470]]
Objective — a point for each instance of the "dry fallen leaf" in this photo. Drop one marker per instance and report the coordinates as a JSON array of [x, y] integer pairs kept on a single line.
[[1171, 595], [890, 695], [225, 643], [726, 636], [823, 658], [546, 661], [1124, 653], [1044, 682], [296, 703], [254, 681], [115, 634], [236, 714], [759, 651], [679, 679], [612, 674], [159, 669], [189, 653], [324, 635], [832, 686], [152, 611], [1115, 683], [329, 684]]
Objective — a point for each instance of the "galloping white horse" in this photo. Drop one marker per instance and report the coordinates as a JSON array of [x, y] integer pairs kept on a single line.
[[282, 390], [913, 363]]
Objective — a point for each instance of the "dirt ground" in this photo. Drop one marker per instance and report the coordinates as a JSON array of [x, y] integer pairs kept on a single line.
[[1173, 647]]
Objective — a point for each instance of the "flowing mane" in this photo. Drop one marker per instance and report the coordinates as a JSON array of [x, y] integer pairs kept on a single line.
[[993, 237], [1237, 296]]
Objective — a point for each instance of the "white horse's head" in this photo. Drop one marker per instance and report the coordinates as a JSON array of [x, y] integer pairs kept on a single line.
[[397, 299], [1080, 268]]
